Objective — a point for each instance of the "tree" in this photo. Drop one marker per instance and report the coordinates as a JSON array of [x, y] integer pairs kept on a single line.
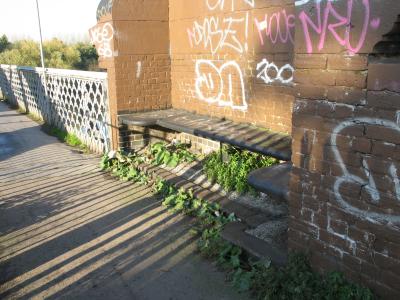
[[4, 43], [88, 57], [22, 53], [57, 54]]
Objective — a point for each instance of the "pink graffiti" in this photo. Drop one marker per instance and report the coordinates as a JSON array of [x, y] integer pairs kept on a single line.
[[323, 25], [277, 27], [375, 23]]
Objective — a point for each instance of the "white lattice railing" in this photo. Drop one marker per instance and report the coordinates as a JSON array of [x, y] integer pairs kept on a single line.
[[76, 101]]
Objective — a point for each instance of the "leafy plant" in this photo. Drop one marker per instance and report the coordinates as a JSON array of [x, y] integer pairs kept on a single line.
[[231, 168], [298, 281], [171, 154], [294, 281], [126, 167]]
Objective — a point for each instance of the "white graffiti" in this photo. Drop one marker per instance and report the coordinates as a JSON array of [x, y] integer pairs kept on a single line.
[[303, 2], [105, 8], [369, 184], [215, 33], [138, 69], [102, 36], [270, 73], [215, 4], [222, 85]]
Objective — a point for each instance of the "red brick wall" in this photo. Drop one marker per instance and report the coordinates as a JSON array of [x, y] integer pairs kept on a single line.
[[215, 49], [132, 39], [235, 59], [345, 189]]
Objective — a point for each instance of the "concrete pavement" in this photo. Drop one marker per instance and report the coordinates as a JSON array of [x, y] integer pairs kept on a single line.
[[69, 231]]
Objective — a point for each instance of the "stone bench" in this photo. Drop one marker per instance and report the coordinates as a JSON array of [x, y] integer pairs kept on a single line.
[[240, 135], [273, 181]]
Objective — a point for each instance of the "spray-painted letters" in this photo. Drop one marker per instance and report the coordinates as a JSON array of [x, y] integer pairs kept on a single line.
[[221, 83], [327, 20], [217, 85], [369, 183], [277, 27], [102, 36], [270, 73], [220, 4], [324, 21], [215, 33]]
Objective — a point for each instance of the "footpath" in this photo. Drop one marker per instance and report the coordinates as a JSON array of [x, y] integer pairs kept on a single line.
[[69, 231]]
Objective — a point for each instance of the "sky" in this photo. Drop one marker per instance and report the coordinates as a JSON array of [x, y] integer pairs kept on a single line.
[[68, 20]]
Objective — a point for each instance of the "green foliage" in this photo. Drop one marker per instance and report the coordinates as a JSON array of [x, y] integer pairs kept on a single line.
[[294, 281], [298, 281], [58, 133], [73, 140], [126, 167], [171, 154], [22, 53], [68, 138], [211, 221], [88, 57], [57, 54], [4, 43], [232, 174]]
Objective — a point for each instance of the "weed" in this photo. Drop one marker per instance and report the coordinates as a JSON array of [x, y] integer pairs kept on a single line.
[[170, 154], [231, 173], [65, 137], [126, 167], [58, 133], [73, 140], [21, 111], [294, 281], [35, 118]]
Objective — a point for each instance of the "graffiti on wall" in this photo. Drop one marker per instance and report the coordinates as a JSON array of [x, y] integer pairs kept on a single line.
[[216, 85], [220, 4], [104, 8], [325, 21], [270, 72], [102, 36], [319, 24], [216, 33], [368, 182], [221, 83], [277, 27], [328, 20]]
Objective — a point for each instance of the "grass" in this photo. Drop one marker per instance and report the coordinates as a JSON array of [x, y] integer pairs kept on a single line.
[[65, 137]]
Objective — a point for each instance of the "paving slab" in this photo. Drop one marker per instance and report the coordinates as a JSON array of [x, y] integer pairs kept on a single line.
[[69, 231]]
